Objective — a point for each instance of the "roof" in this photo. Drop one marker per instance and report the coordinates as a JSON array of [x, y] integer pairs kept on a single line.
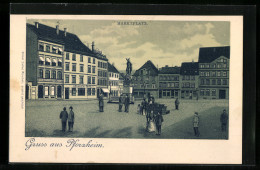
[[71, 42], [189, 68], [169, 70], [112, 68], [149, 66], [209, 54]]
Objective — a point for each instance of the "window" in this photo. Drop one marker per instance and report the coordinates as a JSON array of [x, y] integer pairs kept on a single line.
[[183, 77], [74, 57], [46, 91], [202, 66], [213, 82], [73, 66], [213, 74], [47, 61], [202, 81], [187, 77], [219, 81], [224, 65], [202, 92], [94, 61], [207, 82], [54, 49], [224, 74], [207, 65], [73, 91], [99, 64], [192, 85], [59, 62], [89, 59], [177, 85], [81, 58], [202, 73], [53, 74], [93, 69], [224, 82], [67, 79], [192, 77], [81, 91], [67, 56], [73, 79], [218, 73], [52, 90], [187, 84], [207, 74], [213, 92], [47, 74], [89, 91], [41, 60], [207, 92], [218, 65], [89, 68], [93, 80], [67, 66], [93, 91], [53, 63], [221, 60], [213, 66], [48, 48], [81, 80], [225, 60], [81, 68], [89, 79], [153, 86], [41, 47], [40, 73], [59, 75]]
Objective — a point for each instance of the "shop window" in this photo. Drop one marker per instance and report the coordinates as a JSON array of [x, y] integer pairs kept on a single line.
[[46, 91], [81, 91], [52, 91], [73, 91]]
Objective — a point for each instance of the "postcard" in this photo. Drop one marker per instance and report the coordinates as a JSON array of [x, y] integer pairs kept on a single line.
[[126, 89]]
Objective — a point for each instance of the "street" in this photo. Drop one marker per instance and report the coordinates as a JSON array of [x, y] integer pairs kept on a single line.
[[42, 120]]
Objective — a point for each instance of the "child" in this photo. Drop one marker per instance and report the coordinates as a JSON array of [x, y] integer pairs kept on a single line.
[[139, 109]]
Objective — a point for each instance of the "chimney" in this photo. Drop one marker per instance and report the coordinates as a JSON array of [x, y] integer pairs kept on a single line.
[[93, 46], [57, 29], [37, 24], [65, 32]]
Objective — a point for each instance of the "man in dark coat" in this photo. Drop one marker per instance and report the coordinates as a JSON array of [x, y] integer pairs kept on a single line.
[[101, 103], [71, 119], [158, 122], [127, 102], [64, 117], [177, 104], [144, 105], [120, 103], [224, 120]]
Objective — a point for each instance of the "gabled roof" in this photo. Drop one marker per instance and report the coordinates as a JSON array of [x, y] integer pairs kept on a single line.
[[209, 54], [71, 42], [189, 68], [112, 68], [169, 70], [148, 66]]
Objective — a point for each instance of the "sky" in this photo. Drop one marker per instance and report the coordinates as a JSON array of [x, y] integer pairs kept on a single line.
[[163, 42]]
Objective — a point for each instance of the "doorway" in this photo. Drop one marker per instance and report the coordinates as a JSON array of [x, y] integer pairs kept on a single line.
[[67, 90], [59, 91], [40, 91], [222, 94]]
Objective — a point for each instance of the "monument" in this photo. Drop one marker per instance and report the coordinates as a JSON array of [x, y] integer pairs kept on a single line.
[[128, 86]]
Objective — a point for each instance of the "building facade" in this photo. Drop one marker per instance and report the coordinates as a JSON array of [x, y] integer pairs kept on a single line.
[[44, 64], [214, 72], [113, 81], [189, 78], [169, 82], [145, 81]]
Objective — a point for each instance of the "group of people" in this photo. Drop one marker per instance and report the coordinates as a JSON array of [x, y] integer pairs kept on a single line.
[[223, 121], [67, 117], [124, 100]]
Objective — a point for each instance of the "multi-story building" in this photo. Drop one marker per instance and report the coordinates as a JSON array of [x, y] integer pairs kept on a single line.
[[44, 63], [189, 80], [121, 83], [169, 82], [145, 81], [214, 72], [113, 80], [59, 65]]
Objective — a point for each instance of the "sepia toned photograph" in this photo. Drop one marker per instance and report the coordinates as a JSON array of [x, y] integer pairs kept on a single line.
[[127, 79]]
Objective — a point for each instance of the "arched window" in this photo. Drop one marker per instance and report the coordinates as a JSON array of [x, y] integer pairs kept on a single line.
[[59, 75], [53, 74]]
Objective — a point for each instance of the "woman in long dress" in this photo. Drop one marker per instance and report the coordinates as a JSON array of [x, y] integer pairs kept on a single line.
[[151, 127]]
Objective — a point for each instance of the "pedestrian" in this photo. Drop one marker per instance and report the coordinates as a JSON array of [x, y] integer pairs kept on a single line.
[[196, 124], [71, 119], [120, 103], [127, 102], [64, 117], [139, 109], [158, 122], [101, 103], [144, 107], [224, 120], [151, 127], [177, 104]]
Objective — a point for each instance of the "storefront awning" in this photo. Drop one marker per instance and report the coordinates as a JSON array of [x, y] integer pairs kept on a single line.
[[48, 60], [41, 58], [54, 60], [60, 49], [105, 90]]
